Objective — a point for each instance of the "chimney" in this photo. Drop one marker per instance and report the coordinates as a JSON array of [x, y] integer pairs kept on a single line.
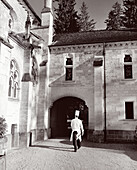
[[47, 13], [47, 4], [47, 20]]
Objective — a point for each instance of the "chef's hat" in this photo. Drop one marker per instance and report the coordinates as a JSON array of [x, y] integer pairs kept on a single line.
[[77, 113]]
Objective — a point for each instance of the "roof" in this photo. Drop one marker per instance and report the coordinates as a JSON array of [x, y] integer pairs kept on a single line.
[[20, 37], [6, 42], [27, 6], [96, 36], [7, 4]]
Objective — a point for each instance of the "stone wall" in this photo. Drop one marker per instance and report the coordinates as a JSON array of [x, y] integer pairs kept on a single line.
[[82, 84], [4, 20], [22, 110], [120, 136], [91, 80], [118, 89], [111, 136], [13, 107]]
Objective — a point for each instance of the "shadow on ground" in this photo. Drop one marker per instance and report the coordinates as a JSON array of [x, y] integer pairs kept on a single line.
[[66, 149], [129, 149]]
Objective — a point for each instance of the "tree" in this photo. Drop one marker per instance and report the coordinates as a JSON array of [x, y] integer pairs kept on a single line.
[[84, 19], [130, 13], [114, 21], [66, 18]]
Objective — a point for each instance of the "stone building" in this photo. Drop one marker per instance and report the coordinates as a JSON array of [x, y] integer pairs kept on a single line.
[[43, 81], [97, 70], [24, 40]]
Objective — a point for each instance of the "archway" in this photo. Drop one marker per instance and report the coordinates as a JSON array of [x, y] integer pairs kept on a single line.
[[62, 112]]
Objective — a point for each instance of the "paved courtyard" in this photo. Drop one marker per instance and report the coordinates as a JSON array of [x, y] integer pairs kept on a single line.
[[58, 154]]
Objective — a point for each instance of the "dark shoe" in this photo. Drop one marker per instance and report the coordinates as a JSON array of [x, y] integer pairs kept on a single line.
[[75, 150], [79, 147]]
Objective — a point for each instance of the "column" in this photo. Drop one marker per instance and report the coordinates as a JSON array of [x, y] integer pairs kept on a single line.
[[98, 97], [25, 110]]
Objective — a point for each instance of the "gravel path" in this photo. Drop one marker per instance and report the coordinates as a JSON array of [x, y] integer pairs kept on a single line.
[[58, 154]]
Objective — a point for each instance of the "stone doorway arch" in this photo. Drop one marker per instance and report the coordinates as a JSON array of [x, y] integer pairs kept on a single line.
[[62, 112]]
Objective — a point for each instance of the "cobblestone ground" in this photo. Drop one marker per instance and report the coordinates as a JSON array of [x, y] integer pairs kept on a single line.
[[58, 154]]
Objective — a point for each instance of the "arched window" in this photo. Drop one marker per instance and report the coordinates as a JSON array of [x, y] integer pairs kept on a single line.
[[10, 86], [13, 80]]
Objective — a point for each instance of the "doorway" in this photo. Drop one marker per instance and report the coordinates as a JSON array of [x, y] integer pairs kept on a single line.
[[62, 112]]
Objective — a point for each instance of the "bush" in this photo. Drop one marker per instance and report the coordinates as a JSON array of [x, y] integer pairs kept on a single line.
[[3, 127]]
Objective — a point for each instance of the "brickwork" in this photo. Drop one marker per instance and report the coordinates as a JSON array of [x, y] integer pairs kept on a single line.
[[111, 136], [120, 136], [95, 136]]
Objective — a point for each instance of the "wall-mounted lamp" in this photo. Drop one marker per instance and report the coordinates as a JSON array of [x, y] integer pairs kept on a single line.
[[97, 62], [43, 63], [26, 77]]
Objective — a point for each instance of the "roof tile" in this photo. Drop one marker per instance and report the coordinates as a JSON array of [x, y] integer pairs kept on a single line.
[[96, 36]]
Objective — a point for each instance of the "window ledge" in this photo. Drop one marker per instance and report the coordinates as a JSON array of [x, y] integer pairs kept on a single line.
[[128, 120], [63, 83], [13, 99], [68, 82], [128, 79]]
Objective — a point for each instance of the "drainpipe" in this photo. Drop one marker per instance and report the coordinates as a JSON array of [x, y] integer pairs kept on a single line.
[[105, 129]]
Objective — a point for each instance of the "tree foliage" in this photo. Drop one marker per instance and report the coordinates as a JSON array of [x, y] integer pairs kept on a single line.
[[114, 20], [123, 17], [66, 18], [130, 13], [84, 19]]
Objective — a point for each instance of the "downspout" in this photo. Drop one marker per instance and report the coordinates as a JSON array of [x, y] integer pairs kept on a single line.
[[105, 128]]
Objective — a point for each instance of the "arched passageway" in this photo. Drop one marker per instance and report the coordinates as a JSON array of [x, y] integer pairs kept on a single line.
[[62, 112]]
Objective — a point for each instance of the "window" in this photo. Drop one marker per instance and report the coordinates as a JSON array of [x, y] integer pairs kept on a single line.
[[129, 113], [128, 67], [13, 80], [69, 68]]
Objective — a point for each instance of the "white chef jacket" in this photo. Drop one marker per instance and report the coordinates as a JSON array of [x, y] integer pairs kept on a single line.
[[76, 125]]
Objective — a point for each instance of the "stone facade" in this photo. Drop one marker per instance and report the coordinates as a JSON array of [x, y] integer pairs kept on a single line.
[[91, 78], [120, 90], [36, 94], [22, 100]]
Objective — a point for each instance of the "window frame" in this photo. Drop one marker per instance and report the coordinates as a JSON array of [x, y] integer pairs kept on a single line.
[[126, 65], [13, 87], [129, 117], [69, 67]]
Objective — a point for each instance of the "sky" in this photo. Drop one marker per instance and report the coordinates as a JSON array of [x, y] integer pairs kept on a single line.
[[97, 9]]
